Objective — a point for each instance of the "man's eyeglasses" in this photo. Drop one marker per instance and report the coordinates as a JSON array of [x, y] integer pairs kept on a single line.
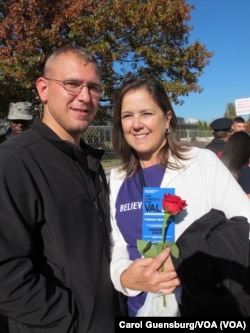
[[75, 87]]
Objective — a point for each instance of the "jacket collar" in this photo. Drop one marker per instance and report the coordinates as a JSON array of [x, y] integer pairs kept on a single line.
[[93, 155]]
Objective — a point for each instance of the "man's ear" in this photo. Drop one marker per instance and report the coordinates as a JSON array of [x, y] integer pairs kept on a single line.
[[42, 88]]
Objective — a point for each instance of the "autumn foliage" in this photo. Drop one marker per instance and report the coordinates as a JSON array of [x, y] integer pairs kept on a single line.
[[128, 38]]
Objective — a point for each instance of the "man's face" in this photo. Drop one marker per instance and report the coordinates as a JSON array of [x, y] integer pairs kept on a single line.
[[237, 127], [18, 125], [69, 114]]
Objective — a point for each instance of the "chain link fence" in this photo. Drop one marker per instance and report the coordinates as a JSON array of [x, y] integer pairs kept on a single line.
[[100, 137]]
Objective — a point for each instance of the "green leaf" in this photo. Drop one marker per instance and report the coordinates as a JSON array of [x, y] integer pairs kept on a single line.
[[149, 250], [174, 249]]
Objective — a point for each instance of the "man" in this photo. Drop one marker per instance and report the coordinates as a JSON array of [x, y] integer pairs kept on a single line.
[[238, 125], [221, 132], [54, 232], [20, 117]]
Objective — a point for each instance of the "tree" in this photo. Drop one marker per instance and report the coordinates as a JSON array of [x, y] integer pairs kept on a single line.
[[205, 126], [230, 111], [202, 127], [129, 38]]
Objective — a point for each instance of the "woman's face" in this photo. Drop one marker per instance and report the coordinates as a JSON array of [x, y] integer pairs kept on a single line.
[[144, 125]]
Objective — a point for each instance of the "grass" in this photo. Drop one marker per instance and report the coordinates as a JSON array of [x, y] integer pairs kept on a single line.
[[110, 163]]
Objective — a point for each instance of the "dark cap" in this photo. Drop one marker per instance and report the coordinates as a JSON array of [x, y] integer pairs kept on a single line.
[[221, 124]]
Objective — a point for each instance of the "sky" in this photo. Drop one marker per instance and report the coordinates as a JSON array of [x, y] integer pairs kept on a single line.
[[223, 26]]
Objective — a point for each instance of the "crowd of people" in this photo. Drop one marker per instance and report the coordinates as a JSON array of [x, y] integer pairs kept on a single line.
[[69, 260], [231, 144]]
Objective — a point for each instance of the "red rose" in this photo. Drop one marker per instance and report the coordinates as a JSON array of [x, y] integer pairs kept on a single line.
[[172, 204]]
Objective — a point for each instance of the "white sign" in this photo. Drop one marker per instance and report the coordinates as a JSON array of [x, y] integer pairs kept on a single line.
[[242, 106]]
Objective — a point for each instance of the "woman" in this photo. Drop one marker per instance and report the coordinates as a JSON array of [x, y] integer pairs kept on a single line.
[[144, 140], [236, 157]]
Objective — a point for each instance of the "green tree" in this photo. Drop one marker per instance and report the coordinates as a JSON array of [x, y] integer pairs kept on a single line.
[[128, 38], [230, 111], [200, 125], [205, 126]]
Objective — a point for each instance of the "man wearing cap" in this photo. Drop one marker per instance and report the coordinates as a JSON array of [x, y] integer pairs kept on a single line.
[[19, 117], [221, 132]]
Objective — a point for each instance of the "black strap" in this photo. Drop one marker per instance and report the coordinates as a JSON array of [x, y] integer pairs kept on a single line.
[[141, 178], [104, 178]]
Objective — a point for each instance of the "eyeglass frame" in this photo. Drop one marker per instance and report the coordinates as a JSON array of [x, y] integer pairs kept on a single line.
[[63, 82]]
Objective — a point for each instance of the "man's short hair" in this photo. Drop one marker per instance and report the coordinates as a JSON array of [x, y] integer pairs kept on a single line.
[[239, 120]]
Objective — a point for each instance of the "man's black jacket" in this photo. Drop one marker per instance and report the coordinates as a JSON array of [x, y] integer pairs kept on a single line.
[[54, 243]]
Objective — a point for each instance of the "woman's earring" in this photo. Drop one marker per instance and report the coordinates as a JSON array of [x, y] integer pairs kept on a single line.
[[167, 131]]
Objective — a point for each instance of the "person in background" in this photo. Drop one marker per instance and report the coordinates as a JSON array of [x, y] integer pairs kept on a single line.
[[221, 132], [238, 125], [55, 227], [19, 117], [236, 157], [144, 139]]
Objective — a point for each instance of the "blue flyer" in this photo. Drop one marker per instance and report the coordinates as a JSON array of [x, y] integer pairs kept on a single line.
[[153, 215]]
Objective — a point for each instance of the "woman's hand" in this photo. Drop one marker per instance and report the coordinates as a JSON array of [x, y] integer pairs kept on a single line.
[[145, 274]]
